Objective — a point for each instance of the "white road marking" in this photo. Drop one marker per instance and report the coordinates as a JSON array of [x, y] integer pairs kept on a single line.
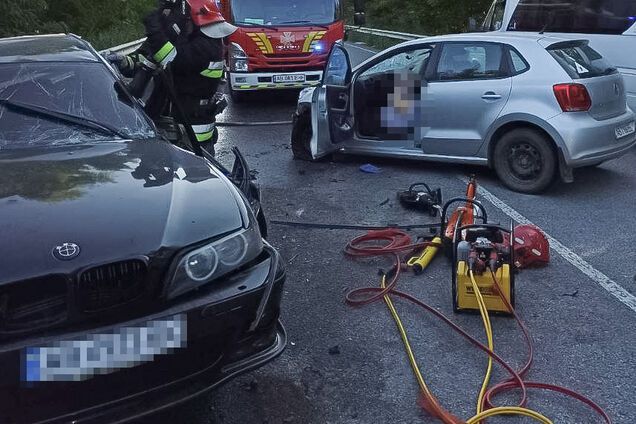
[[361, 48], [594, 274]]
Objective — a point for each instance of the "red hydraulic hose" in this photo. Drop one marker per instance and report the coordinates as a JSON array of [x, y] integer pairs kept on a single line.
[[392, 242]]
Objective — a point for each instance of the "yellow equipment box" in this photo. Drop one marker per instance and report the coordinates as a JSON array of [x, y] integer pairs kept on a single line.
[[464, 299]]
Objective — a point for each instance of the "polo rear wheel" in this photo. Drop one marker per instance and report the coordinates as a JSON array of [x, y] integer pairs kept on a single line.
[[525, 161]]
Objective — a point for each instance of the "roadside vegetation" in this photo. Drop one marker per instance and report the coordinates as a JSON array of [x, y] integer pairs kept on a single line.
[[104, 23], [424, 17], [427, 17], [107, 23]]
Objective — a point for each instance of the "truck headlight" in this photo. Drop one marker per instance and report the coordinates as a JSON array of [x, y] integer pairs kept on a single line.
[[238, 58], [212, 261], [238, 65]]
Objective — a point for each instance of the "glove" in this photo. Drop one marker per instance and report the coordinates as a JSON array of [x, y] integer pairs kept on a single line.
[[113, 58], [125, 64]]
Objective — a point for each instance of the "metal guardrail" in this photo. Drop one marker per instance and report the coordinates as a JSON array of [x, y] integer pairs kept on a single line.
[[128, 48], [125, 49], [402, 36]]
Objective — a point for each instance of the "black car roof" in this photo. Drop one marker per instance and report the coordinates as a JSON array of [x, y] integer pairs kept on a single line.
[[45, 48]]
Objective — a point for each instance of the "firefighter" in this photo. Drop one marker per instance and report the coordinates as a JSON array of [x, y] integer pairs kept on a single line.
[[188, 37]]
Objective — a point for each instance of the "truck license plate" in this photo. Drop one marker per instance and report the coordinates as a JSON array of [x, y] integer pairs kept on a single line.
[[625, 130], [289, 78]]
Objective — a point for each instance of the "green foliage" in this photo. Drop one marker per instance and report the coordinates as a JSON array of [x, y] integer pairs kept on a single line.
[[426, 17], [103, 22], [110, 22]]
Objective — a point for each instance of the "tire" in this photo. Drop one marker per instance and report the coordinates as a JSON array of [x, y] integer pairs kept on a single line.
[[525, 161], [301, 135]]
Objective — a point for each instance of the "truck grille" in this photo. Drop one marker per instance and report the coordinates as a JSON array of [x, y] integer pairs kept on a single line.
[[33, 304], [288, 56], [111, 285]]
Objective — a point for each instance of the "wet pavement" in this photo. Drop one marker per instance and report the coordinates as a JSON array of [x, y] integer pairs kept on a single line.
[[346, 365]]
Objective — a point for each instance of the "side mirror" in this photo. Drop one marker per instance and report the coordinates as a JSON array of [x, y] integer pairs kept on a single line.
[[338, 69], [359, 19]]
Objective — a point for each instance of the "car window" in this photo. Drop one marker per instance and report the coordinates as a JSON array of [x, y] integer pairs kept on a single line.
[[580, 60], [468, 61], [85, 90], [519, 65], [414, 61], [574, 16]]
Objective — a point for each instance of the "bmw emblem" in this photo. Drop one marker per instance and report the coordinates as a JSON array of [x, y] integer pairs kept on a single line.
[[66, 251]]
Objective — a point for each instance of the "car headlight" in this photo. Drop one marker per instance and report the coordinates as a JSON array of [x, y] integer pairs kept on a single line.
[[212, 261]]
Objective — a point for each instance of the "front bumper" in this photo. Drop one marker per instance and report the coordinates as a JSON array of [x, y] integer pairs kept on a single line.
[[265, 80], [231, 328], [588, 141]]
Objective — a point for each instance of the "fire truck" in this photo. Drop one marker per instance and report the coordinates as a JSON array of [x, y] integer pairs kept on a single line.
[[281, 44]]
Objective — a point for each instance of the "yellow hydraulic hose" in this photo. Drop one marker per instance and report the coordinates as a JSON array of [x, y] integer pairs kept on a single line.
[[407, 343], [481, 415], [483, 310], [485, 317]]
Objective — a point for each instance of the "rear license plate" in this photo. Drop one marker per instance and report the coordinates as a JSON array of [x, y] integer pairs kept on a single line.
[[625, 130], [289, 78], [95, 354]]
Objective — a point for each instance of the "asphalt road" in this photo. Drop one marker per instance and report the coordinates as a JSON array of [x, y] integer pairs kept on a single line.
[[347, 365]]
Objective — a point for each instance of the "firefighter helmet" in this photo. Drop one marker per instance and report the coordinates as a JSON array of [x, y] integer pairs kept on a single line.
[[531, 247], [207, 16]]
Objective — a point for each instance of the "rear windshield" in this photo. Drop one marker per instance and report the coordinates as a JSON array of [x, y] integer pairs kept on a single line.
[[580, 60], [84, 90], [574, 16]]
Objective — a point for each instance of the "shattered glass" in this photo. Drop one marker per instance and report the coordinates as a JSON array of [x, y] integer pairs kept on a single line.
[[85, 90]]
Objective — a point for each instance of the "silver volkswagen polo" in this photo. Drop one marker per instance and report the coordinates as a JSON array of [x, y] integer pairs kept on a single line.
[[530, 106]]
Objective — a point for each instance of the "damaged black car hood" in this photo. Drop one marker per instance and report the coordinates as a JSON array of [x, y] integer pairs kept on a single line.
[[114, 200]]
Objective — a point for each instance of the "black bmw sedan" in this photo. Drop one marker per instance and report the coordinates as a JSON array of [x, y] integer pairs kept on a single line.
[[133, 270]]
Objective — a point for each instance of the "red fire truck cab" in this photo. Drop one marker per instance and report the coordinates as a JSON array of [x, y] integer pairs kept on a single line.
[[280, 43]]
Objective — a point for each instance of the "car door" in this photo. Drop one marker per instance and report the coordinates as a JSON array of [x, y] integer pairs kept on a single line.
[[468, 86], [334, 104]]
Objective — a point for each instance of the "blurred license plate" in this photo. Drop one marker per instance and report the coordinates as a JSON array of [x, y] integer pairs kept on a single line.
[[289, 78], [95, 354], [626, 130]]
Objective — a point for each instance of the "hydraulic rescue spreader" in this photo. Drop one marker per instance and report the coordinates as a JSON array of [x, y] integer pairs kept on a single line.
[[484, 260]]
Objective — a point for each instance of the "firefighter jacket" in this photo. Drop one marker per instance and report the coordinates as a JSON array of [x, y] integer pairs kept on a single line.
[[196, 60]]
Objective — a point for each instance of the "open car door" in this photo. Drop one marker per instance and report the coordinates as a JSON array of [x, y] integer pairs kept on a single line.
[[337, 105]]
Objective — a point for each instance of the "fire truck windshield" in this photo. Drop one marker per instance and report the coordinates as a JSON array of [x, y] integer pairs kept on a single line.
[[284, 12]]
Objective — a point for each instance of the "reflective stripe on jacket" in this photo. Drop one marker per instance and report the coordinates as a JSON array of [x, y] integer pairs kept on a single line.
[[214, 70]]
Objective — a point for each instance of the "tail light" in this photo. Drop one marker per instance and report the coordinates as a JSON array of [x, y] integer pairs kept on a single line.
[[573, 97]]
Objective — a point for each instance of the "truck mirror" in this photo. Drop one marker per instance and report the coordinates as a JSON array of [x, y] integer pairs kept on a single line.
[[359, 6], [359, 19]]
